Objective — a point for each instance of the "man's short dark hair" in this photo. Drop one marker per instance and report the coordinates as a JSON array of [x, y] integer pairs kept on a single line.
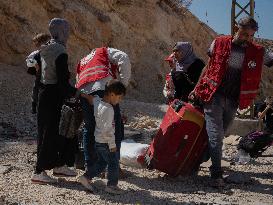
[[41, 38], [116, 87], [248, 22]]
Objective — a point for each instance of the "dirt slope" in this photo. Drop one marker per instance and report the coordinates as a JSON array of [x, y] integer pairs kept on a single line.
[[146, 30]]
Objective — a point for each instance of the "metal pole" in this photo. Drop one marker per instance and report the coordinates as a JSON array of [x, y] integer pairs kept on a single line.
[[249, 10], [233, 16], [252, 6]]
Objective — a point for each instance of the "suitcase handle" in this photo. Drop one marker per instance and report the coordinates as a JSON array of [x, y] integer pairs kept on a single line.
[[177, 105], [181, 145]]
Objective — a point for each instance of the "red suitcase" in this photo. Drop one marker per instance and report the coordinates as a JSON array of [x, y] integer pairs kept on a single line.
[[181, 141]]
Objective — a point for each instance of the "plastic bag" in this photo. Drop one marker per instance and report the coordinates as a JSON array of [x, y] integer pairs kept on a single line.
[[243, 157]]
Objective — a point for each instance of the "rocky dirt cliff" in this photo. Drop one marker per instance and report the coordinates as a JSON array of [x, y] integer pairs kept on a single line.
[[145, 29]]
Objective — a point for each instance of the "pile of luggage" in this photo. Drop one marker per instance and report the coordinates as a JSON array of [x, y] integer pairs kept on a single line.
[[179, 146], [176, 149]]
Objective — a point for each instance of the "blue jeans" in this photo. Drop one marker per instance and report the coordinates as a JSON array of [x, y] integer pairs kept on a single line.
[[89, 129], [105, 159], [219, 114]]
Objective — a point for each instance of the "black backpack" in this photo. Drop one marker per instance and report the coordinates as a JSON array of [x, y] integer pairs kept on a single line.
[[255, 143]]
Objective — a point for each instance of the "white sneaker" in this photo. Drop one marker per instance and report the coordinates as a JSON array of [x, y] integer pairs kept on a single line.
[[114, 190], [42, 178], [86, 183], [64, 171]]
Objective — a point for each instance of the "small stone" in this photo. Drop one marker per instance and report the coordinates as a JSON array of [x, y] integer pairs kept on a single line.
[[4, 169]]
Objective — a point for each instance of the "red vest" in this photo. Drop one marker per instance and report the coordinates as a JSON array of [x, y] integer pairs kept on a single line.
[[94, 66], [217, 67]]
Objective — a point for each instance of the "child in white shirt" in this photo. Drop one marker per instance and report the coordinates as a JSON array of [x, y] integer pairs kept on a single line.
[[105, 137]]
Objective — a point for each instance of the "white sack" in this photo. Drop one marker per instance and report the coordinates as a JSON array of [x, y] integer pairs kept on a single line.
[[131, 152]]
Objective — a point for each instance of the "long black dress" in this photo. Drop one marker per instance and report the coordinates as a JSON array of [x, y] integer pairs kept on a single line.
[[54, 150]]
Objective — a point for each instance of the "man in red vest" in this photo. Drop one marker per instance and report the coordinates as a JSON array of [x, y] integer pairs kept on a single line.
[[230, 80], [93, 73]]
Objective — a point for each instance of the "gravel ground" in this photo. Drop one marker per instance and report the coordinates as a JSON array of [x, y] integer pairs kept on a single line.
[[248, 184]]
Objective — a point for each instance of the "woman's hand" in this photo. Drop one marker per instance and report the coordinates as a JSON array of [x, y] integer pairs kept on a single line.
[[89, 98], [192, 97]]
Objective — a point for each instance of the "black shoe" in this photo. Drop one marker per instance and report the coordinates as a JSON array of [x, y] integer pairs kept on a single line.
[[217, 183], [33, 108]]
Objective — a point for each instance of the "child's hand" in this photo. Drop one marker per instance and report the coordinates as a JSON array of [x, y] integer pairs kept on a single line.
[[37, 68], [113, 149], [124, 119]]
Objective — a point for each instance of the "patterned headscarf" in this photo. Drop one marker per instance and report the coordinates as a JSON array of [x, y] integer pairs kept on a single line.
[[188, 55]]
